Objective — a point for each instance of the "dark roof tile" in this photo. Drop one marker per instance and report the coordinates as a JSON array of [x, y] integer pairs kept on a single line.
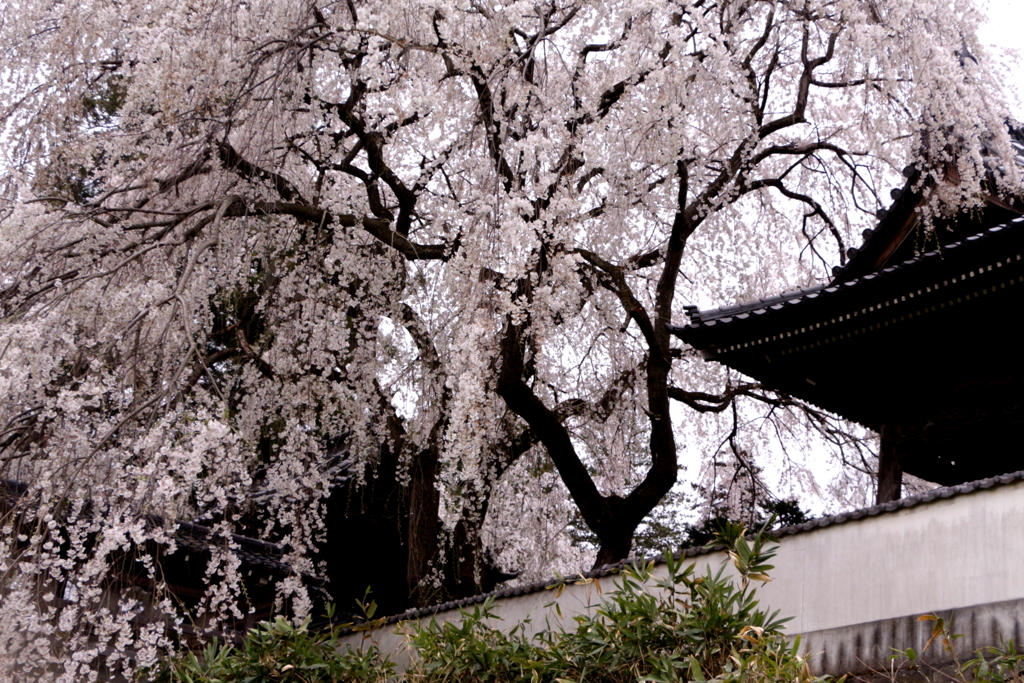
[[822, 522], [713, 316]]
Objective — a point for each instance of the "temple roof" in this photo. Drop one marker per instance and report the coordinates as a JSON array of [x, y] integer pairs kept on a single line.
[[932, 269], [922, 340]]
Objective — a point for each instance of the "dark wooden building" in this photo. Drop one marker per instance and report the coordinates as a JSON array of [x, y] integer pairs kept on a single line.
[[916, 337]]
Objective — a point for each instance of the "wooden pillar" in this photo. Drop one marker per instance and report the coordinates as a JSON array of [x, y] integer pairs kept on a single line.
[[890, 473]]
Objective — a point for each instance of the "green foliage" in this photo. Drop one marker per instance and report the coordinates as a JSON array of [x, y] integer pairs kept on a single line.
[[674, 627], [995, 665], [471, 650], [684, 627], [274, 652], [664, 526], [104, 100], [681, 627], [989, 665], [774, 513]]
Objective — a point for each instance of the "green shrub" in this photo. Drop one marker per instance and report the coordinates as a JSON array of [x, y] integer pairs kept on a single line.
[[679, 629], [682, 628], [685, 627], [995, 665], [272, 652], [472, 651], [989, 664]]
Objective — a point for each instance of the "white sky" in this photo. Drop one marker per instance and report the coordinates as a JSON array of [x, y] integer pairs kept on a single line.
[[1003, 32], [1003, 35]]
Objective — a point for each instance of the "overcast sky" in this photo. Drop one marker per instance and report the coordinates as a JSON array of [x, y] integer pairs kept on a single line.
[[1004, 31]]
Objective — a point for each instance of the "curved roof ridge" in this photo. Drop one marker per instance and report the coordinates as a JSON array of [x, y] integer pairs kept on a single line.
[[725, 314]]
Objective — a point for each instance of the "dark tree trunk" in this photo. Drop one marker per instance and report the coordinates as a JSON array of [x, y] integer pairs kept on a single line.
[[890, 473], [366, 542], [386, 536], [612, 518], [614, 548], [423, 526]]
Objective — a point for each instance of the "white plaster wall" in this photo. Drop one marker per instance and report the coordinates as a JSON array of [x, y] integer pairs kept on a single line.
[[537, 608], [957, 552], [952, 553]]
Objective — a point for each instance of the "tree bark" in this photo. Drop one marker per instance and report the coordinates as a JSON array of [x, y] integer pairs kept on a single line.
[[423, 528], [890, 473]]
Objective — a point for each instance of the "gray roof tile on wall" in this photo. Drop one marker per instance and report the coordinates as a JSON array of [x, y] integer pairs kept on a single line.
[[940, 493]]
